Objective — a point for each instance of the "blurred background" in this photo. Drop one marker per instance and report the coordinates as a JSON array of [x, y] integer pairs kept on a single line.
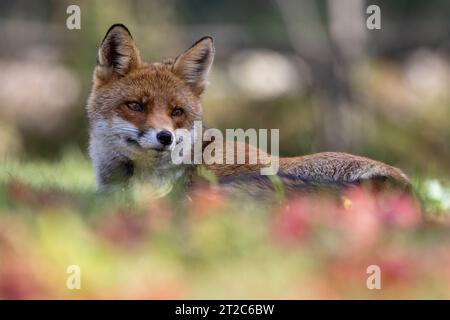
[[310, 68]]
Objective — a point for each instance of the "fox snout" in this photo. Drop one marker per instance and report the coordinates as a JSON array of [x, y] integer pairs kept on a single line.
[[154, 139]]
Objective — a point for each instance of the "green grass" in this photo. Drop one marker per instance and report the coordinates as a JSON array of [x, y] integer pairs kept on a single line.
[[138, 244], [72, 173]]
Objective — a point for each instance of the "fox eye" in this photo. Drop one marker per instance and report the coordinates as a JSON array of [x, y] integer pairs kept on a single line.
[[135, 106], [177, 111]]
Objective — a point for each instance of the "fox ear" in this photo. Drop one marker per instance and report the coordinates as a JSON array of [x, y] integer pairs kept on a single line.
[[117, 55], [194, 64]]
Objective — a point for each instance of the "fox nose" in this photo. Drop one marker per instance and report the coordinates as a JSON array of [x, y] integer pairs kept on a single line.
[[164, 137]]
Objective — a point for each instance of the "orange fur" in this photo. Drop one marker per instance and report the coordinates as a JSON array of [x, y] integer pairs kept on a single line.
[[121, 76]]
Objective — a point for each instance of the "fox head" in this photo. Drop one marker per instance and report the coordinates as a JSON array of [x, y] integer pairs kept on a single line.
[[137, 107]]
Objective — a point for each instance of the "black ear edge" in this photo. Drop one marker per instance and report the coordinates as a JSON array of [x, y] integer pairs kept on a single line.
[[196, 43], [202, 39], [117, 25]]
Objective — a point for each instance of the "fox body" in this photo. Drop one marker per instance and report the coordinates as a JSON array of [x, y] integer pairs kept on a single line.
[[136, 108]]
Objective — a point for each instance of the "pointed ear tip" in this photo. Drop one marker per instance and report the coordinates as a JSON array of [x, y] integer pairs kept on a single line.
[[209, 39], [118, 26]]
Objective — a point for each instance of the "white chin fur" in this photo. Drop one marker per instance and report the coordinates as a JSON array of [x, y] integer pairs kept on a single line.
[[108, 142]]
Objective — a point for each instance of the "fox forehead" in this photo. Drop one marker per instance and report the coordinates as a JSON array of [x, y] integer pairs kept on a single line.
[[151, 81], [153, 84]]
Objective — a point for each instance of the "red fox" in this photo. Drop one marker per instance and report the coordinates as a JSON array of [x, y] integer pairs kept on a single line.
[[135, 108]]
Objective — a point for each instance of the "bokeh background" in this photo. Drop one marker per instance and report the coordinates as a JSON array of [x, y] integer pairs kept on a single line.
[[311, 69]]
